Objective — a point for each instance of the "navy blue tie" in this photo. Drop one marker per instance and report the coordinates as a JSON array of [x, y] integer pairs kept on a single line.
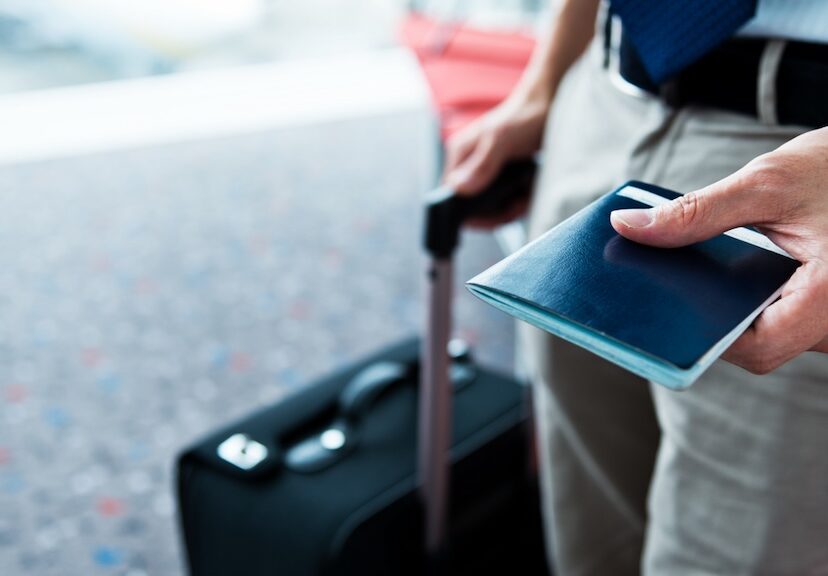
[[669, 35]]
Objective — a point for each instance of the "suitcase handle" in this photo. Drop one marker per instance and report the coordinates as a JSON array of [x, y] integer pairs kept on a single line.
[[446, 211], [376, 381], [445, 214], [373, 383], [325, 448], [369, 386]]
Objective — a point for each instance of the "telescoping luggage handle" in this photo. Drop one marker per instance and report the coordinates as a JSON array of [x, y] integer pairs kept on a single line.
[[445, 214]]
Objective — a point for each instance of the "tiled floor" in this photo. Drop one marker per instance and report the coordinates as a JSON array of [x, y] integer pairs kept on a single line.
[[147, 296]]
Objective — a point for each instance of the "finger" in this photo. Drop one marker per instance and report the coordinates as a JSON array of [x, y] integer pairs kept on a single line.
[[459, 147], [478, 170], [457, 151], [740, 199], [797, 322]]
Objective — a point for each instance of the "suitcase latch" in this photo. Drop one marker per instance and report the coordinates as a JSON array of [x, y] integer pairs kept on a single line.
[[242, 451]]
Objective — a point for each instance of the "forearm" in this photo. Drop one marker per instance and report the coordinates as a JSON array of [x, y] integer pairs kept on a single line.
[[514, 129], [571, 32]]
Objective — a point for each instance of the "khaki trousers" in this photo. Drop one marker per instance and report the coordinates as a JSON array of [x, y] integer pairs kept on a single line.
[[729, 477]]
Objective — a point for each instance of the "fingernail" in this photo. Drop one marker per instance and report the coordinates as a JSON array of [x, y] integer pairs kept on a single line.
[[634, 218]]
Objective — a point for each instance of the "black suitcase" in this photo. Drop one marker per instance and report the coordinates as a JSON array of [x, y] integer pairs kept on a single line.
[[330, 481]]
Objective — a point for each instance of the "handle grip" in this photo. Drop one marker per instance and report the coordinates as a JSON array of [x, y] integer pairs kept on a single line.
[[369, 386], [446, 211]]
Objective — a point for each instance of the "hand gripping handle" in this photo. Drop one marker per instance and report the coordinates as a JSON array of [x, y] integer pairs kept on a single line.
[[446, 211]]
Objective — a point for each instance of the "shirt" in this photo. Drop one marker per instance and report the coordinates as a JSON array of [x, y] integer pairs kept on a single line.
[[805, 20]]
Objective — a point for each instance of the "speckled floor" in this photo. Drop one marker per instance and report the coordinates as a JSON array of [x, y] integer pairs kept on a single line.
[[148, 296]]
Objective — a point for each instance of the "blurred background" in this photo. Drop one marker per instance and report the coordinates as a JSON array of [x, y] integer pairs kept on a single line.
[[204, 206], [49, 43]]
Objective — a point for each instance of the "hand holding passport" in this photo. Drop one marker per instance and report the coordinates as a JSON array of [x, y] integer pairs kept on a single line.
[[664, 314]]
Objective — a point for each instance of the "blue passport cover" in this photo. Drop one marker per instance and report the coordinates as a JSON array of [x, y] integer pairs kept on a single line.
[[664, 314]]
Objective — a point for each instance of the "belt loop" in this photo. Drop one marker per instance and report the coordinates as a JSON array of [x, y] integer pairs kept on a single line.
[[605, 25], [766, 81]]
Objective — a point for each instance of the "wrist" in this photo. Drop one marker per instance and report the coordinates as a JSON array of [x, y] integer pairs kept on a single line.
[[533, 92], [528, 106]]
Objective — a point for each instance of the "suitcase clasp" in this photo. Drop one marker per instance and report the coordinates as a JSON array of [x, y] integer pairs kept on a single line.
[[242, 451]]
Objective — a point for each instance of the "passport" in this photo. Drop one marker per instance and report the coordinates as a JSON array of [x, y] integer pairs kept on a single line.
[[665, 314]]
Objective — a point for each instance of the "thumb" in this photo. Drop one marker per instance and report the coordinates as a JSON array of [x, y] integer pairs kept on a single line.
[[695, 216]]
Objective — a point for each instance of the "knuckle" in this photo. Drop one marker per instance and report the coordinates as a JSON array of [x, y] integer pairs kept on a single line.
[[762, 361], [689, 209], [770, 171], [455, 142], [498, 131], [453, 152], [490, 159], [460, 136], [490, 139], [757, 358], [767, 177], [463, 139]]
